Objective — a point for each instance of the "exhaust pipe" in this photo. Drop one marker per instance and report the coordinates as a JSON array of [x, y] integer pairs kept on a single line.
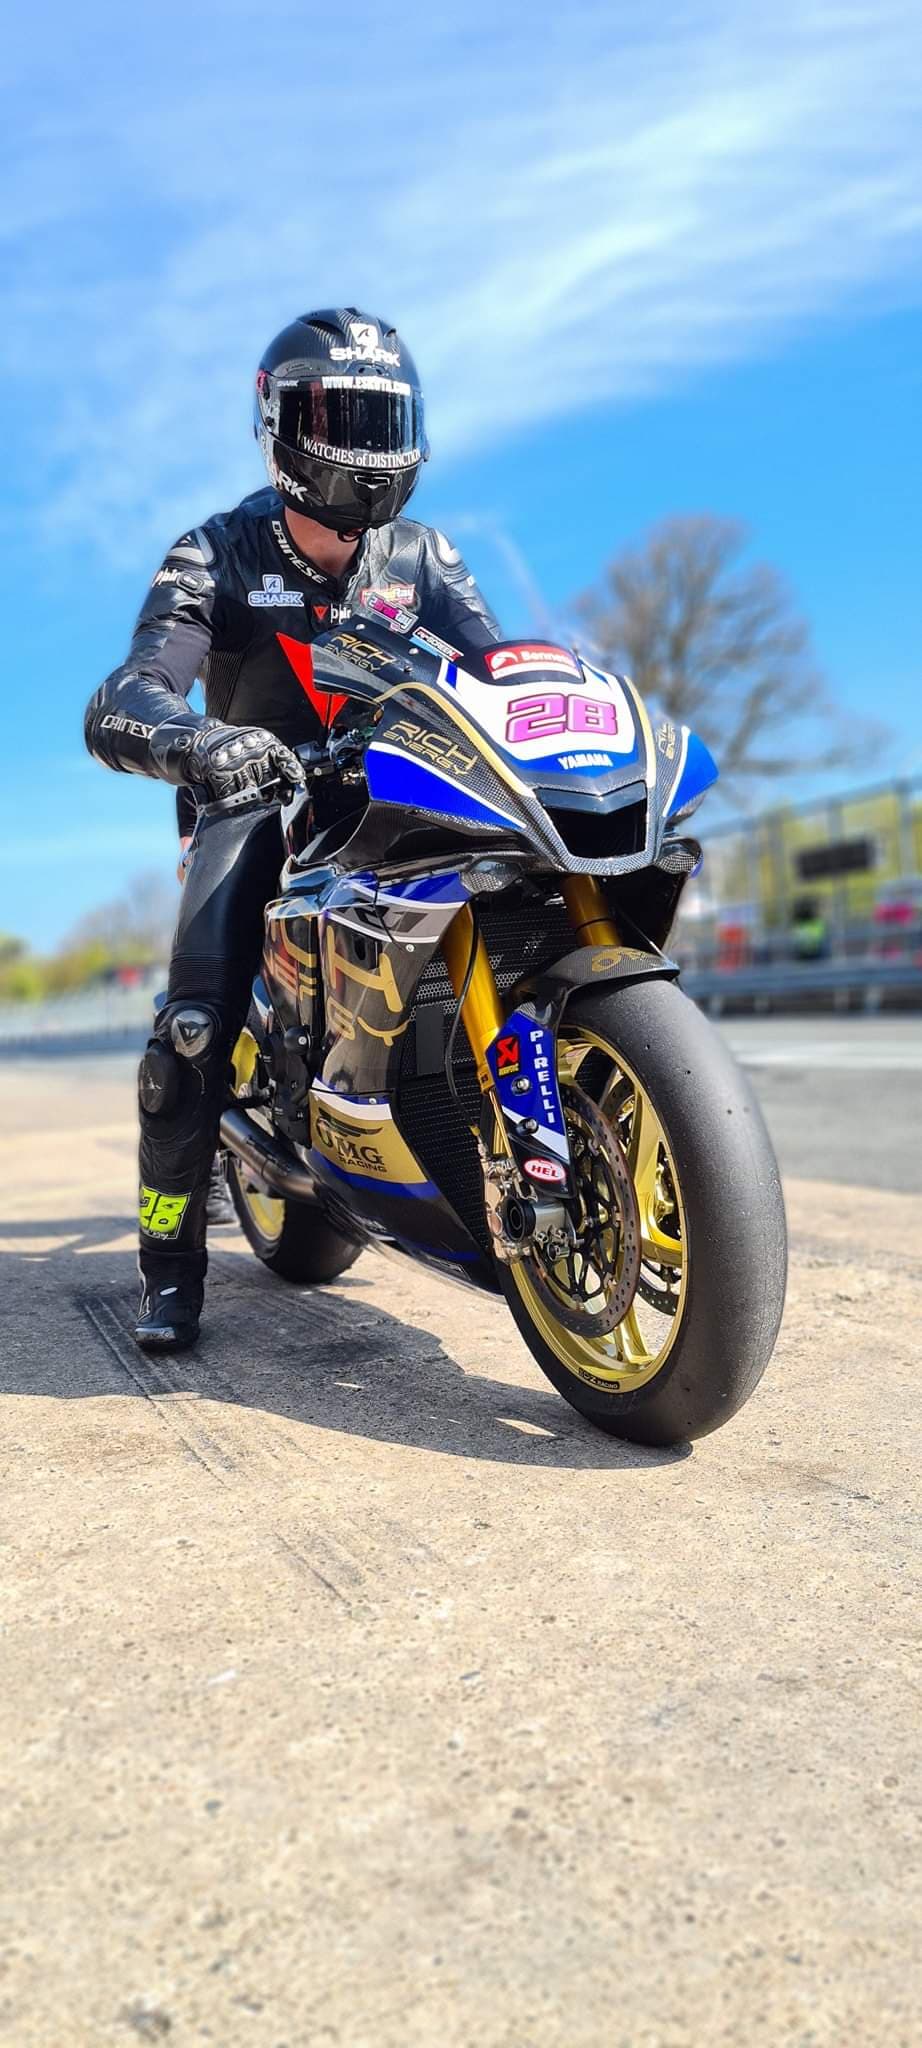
[[272, 1162]]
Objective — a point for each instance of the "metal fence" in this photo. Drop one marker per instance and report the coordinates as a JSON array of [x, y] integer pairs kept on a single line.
[[821, 898]]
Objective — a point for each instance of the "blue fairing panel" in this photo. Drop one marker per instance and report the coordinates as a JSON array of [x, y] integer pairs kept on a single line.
[[697, 771], [394, 778]]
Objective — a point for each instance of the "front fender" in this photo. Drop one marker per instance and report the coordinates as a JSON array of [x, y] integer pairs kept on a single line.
[[547, 994]]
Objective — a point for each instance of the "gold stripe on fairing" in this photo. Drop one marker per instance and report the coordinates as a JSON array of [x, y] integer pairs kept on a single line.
[[645, 726]]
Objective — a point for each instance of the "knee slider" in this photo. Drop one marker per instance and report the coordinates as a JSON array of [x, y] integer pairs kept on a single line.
[[192, 1030], [185, 1034]]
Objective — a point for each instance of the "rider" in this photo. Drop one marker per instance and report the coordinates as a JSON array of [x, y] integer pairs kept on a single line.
[[237, 602]]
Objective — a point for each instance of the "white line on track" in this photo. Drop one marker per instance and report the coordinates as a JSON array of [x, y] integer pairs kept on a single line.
[[856, 1058]]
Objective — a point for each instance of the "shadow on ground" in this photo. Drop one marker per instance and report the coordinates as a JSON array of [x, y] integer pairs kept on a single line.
[[311, 1355]]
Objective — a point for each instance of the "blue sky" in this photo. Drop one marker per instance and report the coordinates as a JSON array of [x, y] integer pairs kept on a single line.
[[644, 267]]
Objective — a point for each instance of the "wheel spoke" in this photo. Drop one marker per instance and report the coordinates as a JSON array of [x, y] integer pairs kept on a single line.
[[632, 1349], [646, 1151], [660, 1249]]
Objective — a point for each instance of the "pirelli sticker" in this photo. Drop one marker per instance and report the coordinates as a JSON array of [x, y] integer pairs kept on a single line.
[[161, 1215]]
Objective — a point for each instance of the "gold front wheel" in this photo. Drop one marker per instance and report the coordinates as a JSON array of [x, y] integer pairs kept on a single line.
[[658, 1318], [611, 1305]]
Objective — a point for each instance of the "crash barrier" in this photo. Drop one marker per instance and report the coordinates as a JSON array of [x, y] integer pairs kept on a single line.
[[845, 984], [116, 1020], [100, 1019]]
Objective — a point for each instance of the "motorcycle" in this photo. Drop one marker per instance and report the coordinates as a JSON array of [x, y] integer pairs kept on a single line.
[[467, 1045]]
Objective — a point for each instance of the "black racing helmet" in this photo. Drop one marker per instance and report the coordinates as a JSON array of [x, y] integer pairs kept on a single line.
[[339, 418]]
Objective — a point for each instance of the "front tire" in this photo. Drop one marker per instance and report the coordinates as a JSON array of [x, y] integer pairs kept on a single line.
[[711, 1216], [294, 1239]]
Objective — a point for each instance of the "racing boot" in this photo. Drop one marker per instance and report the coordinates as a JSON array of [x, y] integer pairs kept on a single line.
[[219, 1209], [172, 1292]]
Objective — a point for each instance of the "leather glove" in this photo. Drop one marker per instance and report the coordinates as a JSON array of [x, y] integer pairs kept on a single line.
[[224, 759]]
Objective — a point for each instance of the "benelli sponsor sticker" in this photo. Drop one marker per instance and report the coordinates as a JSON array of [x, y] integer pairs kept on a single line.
[[511, 661], [546, 1170]]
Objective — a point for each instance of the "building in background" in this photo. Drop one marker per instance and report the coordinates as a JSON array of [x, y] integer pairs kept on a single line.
[[836, 878]]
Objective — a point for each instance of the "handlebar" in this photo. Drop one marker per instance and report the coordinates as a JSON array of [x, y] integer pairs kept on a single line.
[[316, 760]]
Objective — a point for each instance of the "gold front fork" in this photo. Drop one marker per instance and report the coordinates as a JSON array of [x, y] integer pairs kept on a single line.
[[589, 912], [481, 1011]]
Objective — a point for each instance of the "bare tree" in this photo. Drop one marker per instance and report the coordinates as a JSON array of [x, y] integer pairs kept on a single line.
[[715, 645], [134, 927]]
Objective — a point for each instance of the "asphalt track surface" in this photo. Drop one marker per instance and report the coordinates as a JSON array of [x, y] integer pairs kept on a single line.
[[353, 1691]]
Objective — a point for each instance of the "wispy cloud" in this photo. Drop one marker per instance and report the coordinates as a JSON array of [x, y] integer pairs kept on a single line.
[[558, 207]]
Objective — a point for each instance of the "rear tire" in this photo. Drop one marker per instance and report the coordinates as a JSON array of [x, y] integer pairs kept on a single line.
[[294, 1239], [730, 1230]]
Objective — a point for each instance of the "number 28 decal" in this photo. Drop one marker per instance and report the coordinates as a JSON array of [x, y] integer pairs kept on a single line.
[[541, 717]]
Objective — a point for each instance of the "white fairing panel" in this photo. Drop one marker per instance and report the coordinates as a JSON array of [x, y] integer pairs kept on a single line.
[[551, 710]]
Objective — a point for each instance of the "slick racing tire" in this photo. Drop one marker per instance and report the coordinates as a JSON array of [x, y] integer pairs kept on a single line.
[[659, 1324], [294, 1239]]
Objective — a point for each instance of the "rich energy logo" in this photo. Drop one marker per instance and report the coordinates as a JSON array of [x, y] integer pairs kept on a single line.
[[440, 750]]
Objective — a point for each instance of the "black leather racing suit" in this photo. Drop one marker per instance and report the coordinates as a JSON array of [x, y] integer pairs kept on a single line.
[[236, 604]]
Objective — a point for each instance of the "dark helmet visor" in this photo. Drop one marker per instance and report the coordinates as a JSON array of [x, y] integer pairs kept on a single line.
[[358, 422]]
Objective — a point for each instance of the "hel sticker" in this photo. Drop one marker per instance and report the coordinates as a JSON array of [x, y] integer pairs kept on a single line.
[[545, 1169], [161, 1215], [508, 1054], [508, 661]]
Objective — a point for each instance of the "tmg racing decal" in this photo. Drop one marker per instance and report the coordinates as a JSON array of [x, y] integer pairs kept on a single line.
[[361, 1140]]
